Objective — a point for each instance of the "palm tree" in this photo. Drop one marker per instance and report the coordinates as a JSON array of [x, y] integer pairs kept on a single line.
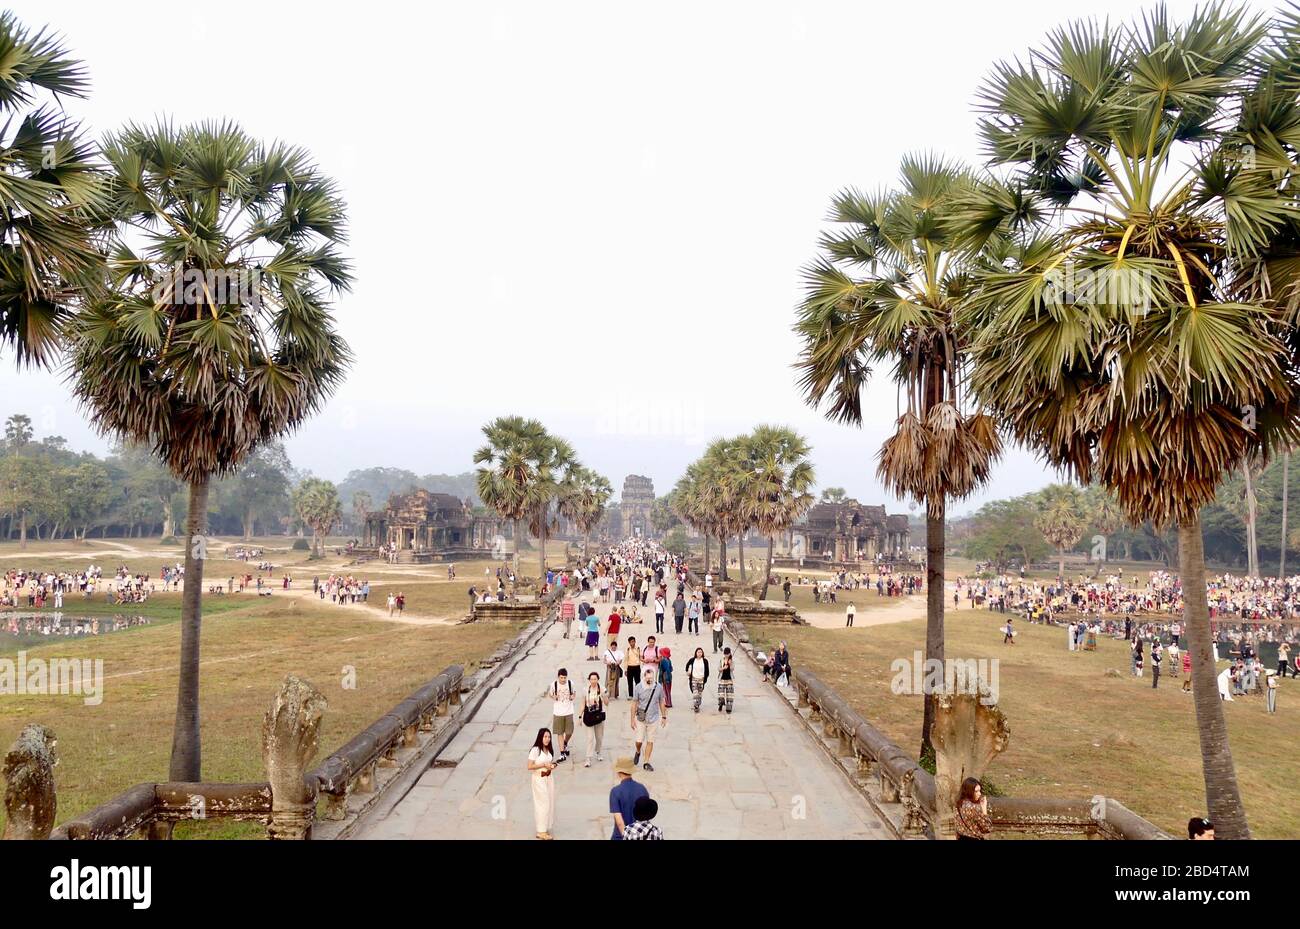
[[583, 499], [1061, 520], [216, 335], [722, 486], [778, 489], [509, 477], [50, 190], [316, 501], [691, 504], [888, 289], [557, 466], [1106, 516], [1154, 370]]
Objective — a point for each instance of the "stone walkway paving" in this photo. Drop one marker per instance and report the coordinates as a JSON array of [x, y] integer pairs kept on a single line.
[[756, 774]]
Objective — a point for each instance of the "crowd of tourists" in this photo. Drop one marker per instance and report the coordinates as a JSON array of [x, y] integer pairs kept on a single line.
[[637, 669], [41, 589]]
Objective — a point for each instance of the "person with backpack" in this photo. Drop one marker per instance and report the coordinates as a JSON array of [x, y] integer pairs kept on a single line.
[[562, 696], [666, 674], [693, 615], [697, 675], [593, 718], [649, 713]]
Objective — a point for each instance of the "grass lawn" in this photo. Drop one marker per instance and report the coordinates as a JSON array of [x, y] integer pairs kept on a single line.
[[249, 645], [1074, 731]]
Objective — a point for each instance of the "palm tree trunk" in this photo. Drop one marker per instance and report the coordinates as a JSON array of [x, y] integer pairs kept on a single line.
[[706, 553], [722, 556], [248, 524], [186, 745], [22, 529], [518, 543], [934, 571], [767, 574], [740, 550], [1222, 798], [1286, 468], [1060, 566]]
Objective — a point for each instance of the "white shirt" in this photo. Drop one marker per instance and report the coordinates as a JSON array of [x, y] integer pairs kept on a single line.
[[614, 658], [562, 696]]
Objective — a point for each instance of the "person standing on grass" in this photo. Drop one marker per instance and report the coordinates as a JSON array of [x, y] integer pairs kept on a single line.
[[392, 602], [697, 675], [632, 662], [613, 659], [1157, 658], [1283, 655], [624, 796], [1187, 671], [562, 696], [593, 718], [726, 682], [649, 713], [541, 765], [849, 612]]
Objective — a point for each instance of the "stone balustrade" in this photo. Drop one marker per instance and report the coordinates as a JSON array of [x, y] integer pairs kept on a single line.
[[972, 734]]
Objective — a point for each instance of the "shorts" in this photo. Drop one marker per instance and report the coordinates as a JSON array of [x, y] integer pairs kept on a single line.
[[561, 725], [645, 732], [593, 639]]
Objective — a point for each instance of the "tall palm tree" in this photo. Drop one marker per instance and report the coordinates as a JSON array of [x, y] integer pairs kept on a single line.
[[690, 502], [583, 498], [509, 477], [50, 189], [557, 467], [723, 484], [316, 501], [1152, 370], [1061, 520], [216, 335], [887, 290], [778, 489]]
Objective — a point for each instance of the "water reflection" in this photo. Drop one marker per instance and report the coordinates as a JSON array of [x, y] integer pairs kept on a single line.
[[26, 628]]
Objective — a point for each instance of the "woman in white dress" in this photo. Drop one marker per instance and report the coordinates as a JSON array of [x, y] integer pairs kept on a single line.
[[541, 765]]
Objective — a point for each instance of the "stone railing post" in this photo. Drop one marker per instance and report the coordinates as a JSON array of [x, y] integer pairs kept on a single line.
[[969, 732], [30, 800], [290, 738]]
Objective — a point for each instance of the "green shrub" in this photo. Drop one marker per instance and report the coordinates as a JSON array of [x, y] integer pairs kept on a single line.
[[301, 545]]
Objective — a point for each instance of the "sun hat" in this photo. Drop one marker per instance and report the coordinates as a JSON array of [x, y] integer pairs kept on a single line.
[[624, 765]]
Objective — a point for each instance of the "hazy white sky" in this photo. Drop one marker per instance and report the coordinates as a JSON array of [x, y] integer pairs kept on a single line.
[[590, 213]]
